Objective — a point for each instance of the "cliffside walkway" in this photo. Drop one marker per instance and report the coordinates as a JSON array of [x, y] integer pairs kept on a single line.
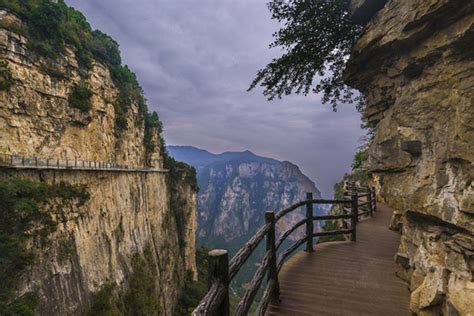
[[23, 162], [351, 277], [346, 278]]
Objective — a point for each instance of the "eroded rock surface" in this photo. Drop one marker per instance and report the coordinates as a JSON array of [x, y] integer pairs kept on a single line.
[[415, 62], [95, 244]]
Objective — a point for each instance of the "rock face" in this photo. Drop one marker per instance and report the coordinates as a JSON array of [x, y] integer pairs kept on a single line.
[[37, 119], [236, 188], [415, 63], [127, 212]]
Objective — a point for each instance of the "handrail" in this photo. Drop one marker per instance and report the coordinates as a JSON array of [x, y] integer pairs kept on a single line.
[[289, 251], [289, 209], [288, 232], [244, 253], [216, 301], [46, 163], [244, 305]]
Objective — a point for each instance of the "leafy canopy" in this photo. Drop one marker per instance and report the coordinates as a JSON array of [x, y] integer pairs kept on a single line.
[[317, 37], [80, 97]]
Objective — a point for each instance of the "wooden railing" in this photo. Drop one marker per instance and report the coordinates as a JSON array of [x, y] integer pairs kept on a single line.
[[222, 271], [24, 162]]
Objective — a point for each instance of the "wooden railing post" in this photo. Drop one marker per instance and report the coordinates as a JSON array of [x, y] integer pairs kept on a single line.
[[272, 267], [309, 222], [355, 215], [219, 273], [374, 199], [369, 199]]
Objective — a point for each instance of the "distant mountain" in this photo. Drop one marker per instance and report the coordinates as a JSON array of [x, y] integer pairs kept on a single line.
[[200, 158], [236, 188]]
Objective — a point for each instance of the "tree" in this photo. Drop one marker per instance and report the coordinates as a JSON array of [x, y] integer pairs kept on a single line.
[[317, 36]]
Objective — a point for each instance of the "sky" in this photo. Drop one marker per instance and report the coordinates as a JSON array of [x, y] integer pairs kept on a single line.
[[195, 61]]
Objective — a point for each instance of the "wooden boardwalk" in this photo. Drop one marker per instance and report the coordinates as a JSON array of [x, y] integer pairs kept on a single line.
[[346, 278]]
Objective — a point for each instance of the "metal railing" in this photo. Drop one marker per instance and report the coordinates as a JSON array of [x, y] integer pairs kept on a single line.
[[24, 162], [222, 271]]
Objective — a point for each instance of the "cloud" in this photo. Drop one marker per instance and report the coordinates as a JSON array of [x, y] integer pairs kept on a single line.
[[195, 60]]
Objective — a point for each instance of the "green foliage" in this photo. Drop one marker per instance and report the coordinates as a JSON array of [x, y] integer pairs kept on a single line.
[[129, 91], [152, 123], [194, 291], [51, 26], [179, 174], [329, 226], [105, 48], [23, 306], [46, 27], [317, 36], [141, 297], [103, 303], [23, 218], [180, 170], [359, 159], [6, 79], [80, 97]]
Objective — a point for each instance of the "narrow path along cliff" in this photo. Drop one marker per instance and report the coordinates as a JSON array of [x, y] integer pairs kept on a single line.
[[346, 278]]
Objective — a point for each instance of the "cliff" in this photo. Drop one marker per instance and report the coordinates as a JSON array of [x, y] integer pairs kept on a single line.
[[134, 235], [236, 188], [414, 62]]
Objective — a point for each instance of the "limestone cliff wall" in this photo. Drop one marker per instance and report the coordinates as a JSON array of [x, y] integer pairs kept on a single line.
[[233, 194], [94, 244], [36, 117], [415, 63]]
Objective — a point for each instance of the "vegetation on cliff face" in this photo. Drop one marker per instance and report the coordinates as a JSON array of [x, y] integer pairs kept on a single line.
[[358, 175], [140, 295], [5, 76], [317, 37], [80, 97], [179, 174], [52, 27], [193, 290], [24, 216]]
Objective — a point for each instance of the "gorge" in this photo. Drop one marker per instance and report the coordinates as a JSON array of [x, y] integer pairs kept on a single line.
[[235, 190], [99, 217]]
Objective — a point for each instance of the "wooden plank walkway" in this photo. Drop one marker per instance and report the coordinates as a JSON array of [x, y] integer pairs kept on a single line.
[[346, 278]]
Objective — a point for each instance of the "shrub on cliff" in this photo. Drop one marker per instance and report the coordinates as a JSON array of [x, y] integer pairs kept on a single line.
[[80, 97], [6, 79], [317, 37], [142, 294], [194, 290], [53, 26], [22, 218]]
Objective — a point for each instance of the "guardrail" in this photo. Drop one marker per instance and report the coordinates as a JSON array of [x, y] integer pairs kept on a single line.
[[24, 162], [222, 271]]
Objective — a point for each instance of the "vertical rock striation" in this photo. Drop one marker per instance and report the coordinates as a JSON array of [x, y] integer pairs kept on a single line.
[[415, 63], [94, 245]]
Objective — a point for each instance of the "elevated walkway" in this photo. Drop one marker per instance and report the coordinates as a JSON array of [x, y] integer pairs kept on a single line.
[[355, 277], [39, 163], [346, 278]]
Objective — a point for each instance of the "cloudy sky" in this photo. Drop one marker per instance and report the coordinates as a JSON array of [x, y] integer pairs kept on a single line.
[[195, 60]]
